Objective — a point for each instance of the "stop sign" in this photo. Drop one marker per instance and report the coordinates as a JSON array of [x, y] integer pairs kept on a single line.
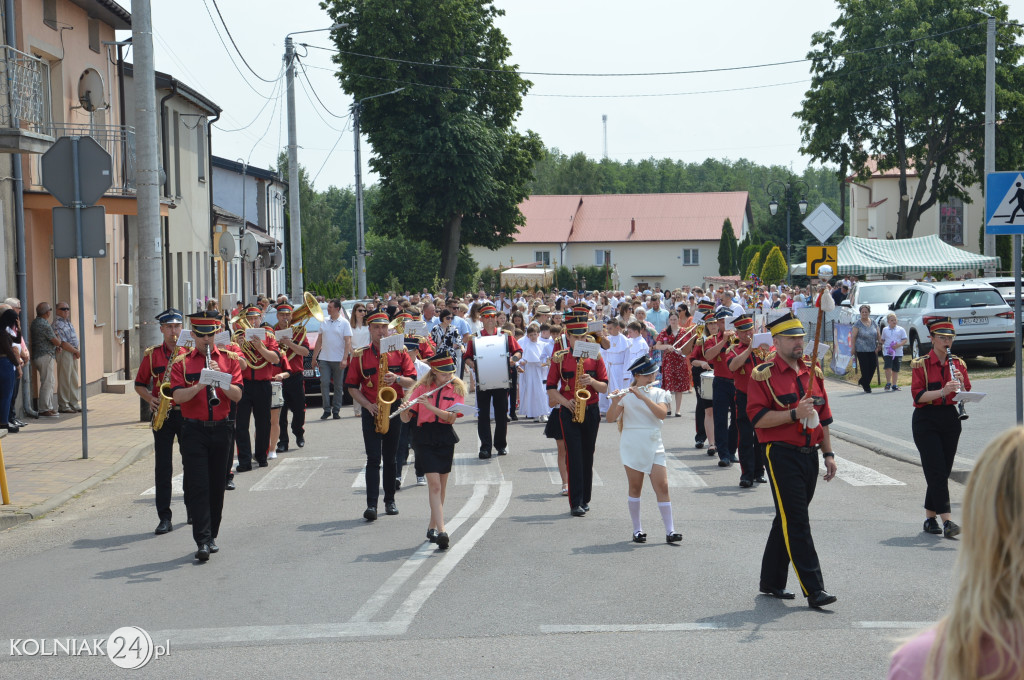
[[94, 170]]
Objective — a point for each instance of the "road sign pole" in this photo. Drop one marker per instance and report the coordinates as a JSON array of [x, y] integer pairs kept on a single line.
[[1017, 338], [81, 297]]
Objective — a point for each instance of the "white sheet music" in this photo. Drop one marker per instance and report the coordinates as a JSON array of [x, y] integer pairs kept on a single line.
[[286, 333], [392, 343], [215, 378], [591, 349], [222, 338], [185, 337], [255, 334], [968, 396]]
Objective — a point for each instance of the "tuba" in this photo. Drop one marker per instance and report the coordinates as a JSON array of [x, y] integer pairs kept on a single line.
[[310, 309], [579, 406], [166, 401], [386, 396]]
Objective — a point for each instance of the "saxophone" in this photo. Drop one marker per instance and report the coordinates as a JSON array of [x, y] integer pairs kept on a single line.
[[386, 396], [579, 406], [166, 401]]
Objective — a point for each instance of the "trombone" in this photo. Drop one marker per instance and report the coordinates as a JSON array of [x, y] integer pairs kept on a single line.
[[685, 338]]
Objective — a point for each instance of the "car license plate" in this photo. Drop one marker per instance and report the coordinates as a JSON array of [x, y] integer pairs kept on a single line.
[[311, 373], [974, 321]]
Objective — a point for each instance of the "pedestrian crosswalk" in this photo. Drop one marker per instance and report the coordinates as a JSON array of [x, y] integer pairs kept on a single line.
[[855, 474], [290, 473], [176, 489]]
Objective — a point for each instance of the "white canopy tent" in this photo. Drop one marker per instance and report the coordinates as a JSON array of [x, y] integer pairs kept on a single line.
[[860, 256]]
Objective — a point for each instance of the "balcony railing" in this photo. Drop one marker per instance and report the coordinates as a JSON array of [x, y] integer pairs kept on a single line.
[[119, 142], [24, 82]]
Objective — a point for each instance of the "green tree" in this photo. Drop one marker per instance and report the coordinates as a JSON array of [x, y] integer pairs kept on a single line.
[[453, 168], [901, 82], [323, 248], [774, 270], [746, 256], [763, 250], [753, 267], [726, 249]]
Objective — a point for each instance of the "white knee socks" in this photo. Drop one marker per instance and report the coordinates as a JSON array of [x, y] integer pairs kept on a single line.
[[634, 512], [666, 516]]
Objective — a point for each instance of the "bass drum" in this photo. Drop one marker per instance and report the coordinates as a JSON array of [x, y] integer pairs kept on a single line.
[[707, 385], [491, 356], [276, 394]]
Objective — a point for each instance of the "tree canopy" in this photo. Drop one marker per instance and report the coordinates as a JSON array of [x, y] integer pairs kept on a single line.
[[453, 168], [902, 84], [774, 270]]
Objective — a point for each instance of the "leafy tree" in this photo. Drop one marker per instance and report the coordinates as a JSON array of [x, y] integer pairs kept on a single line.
[[323, 249], [412, 264], [726, 249], [763, 250], [453, 168], [774, 270], [754, 267], [746, 256], [902, 82]]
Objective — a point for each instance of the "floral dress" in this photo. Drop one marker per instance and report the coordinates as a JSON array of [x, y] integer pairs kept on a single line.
[[675, 368]]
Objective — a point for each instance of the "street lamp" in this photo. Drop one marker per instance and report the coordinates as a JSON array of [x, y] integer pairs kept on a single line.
[[294, 214], [787, 190]]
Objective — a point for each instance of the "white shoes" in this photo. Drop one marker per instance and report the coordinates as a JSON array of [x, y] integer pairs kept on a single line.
[[421, 481], [272, 455]]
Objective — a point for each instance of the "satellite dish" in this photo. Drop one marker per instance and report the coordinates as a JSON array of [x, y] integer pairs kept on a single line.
[[226, 246], [90, 90], [276, 258], [250, 248]]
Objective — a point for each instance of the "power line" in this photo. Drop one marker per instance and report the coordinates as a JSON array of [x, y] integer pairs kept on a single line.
[[329, 154], [259, 113], [314, 107], [221, 39], [303, 67], [231, 37]]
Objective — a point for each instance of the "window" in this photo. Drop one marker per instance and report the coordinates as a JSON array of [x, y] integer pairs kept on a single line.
[[201, 148], [542, 256], [50, 13], [602, 257], [94, 35], [951, 221], [691, 256]]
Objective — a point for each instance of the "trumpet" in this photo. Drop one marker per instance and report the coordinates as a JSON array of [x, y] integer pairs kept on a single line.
[[627, 390], [955, 374]]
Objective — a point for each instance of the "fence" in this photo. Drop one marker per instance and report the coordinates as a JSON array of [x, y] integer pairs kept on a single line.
[[24, 84], [117, 140]]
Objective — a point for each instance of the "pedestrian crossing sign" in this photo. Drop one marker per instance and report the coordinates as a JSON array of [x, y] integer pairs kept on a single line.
[[1004, 202]]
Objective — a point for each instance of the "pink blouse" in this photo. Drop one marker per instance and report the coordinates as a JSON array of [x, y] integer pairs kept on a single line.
[[442, 399], [909, 661]]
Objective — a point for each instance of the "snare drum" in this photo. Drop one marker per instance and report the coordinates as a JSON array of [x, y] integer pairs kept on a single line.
[[490, 354], [276, 394], [707, 385]]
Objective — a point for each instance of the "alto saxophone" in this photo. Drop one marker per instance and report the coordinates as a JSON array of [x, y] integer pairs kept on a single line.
[[166, 401], [386, 396], [579, 406]]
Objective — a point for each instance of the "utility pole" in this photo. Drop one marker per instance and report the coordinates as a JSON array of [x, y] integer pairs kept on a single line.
[[604, 122], [360, 234], [294, 190], [990, 124], [147, 177]]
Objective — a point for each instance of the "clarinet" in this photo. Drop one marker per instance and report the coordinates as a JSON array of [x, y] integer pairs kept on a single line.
[[211, 394], [955, 374]]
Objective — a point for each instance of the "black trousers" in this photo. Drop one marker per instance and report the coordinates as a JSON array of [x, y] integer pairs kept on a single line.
[[793, 476], [513, 395], [484, 399], [294, 393], [751, 462], [867, 362], [380, 448], [726, 434], [580, 441], [163, 449], [402, 452], [936, 434], [255, 402], [203, 453], [702, 405]]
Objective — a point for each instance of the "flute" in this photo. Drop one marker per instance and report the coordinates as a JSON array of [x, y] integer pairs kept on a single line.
[[626, 390], [408, 405]]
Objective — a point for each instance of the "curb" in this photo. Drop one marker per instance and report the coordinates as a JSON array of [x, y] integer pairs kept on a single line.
[[8, 520]]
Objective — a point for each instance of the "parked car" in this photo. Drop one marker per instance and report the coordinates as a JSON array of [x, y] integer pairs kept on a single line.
[[311, 376], [1004, 284], [877, 295], [984, 321]]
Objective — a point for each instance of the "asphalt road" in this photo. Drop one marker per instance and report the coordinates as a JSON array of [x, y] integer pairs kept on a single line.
[[303, 587]]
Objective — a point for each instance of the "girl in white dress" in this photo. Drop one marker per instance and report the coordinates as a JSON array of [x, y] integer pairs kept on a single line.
[[533, 397], [614, 360], [640, 447]]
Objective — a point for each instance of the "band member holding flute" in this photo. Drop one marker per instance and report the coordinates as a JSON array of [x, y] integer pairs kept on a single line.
[[936, 378], [206, 429], [154, 372], [640, 410], [433, 436]]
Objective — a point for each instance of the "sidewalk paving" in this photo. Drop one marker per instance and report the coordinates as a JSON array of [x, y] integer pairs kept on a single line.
[[44, 460]]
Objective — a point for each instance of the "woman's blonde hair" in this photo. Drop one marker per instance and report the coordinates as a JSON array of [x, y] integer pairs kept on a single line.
[[428, 379], [985, 622]]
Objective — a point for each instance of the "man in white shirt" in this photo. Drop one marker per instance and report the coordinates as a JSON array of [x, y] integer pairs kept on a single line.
[[727, 303], [331, 355]]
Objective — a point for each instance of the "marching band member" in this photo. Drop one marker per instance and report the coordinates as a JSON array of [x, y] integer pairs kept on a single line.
[[206, 430], [412, 348], [153, 372], [936, 378], [703, 415], [363, 382], [553, 429], [789, 409], [742, 361], [497, 397], [642, 411], [293, 387], [433, 435], [255, 399], [724, 398], [580, 438]]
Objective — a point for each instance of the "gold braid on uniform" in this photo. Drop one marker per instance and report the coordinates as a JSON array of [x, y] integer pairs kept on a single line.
[[917, 363], [762, 373]]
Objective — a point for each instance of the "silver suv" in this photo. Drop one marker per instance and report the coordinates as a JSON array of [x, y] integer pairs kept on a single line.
[[984, 322], [877, 295]]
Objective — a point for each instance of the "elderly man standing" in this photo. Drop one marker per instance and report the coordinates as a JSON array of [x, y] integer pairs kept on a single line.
[[69, 393], [44, 353]]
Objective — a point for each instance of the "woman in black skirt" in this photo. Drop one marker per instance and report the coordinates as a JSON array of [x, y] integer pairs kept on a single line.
[[433, 436]]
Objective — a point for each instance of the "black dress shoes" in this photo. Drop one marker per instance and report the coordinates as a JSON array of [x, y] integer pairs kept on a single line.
[[712, 451], [432, 535], [503, 452], [746, 483], [213, 546], [326, 415], [820, 599], [243, 468], [699, 444], [300, 441], [578, 511], [336, 415], [673, 537], [779, 593], [281, 448], [484, 454], [230, 486], [931, 525], [189, 520], [586, 507], [761, 480], [164, 526], [370, 514], [724, 463], [390, 508], [203, 553], [442, 540], [639, 537]]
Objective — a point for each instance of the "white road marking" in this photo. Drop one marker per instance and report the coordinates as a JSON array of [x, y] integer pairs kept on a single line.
[[551, 463], [175, 487], [459, 549], [680, 474], [855, 474], [470, 469], [633, 628], [207, 637], [416, 560], [915, 625], [290, 473], [360, 481]]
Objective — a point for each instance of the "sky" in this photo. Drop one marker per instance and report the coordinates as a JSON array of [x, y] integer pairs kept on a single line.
[[744, 113]]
